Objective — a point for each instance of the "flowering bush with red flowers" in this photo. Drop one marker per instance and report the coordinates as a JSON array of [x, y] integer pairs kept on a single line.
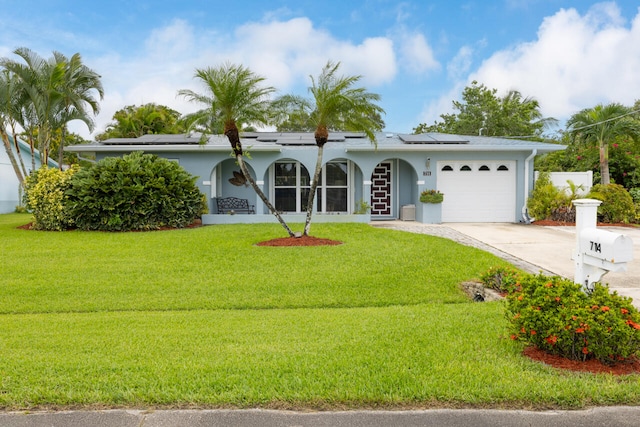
[[555, 315]]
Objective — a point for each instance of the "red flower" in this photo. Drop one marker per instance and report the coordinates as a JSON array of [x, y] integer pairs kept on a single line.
[[624, 310], [552, 339], [585, 350], [514, 337], [548, 285], [633, 324], [579, 330], [533, 332], [605, 308], [557, 299]]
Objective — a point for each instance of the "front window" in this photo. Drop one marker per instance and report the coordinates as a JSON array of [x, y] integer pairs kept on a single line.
[[333, 190], [292, 185]]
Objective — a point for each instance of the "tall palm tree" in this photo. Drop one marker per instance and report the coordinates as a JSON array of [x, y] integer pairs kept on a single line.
[[234, 97], [600, 125], [8, 108], [42, 100], [336, 105], [77, 88]]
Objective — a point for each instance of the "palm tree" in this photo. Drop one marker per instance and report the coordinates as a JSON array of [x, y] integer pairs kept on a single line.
[[600, 125], [234, 98], [336, 105], [77, 89], [8, 106], [41, 99]]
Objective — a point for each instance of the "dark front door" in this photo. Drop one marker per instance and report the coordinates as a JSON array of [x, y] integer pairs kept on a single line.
[[381, 201]]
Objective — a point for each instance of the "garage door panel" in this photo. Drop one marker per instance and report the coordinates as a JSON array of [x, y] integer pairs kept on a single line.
[[478, 195]]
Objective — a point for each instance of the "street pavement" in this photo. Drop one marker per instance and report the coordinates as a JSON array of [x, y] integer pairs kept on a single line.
[[621, 416], [529, 247]]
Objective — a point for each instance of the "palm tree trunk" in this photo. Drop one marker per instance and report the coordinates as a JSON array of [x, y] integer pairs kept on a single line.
[[604, 165], [260, 193], [63, 134], [12, 156], [16, 145], [231, 131], [313, 189], [33, 152]]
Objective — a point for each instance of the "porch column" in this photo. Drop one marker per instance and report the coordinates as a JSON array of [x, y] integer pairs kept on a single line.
[[259, 202], [366, 191]]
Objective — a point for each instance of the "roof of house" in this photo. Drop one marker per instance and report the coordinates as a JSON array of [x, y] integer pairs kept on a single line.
[[352, 141], [26, 148]]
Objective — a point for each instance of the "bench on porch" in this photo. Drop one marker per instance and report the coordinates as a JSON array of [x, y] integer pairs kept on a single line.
[[233, 205]]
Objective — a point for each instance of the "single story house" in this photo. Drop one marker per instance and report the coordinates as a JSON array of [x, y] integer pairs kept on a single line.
[[484, 179], [9, 183]]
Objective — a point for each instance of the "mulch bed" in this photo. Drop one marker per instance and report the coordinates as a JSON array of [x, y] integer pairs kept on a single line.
[[631, 366], [549, 223], [195, 224], [300, 241]]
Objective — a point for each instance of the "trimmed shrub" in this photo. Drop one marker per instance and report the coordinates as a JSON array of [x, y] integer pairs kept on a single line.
[[617, 204], [554, 314], [44, 196], [501, 279], [545, 198], [135, 192]]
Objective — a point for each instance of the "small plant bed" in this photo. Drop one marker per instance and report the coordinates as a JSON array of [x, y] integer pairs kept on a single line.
[[551, 223], [300, 241], [477, 292], [554, 315], [631, 366]]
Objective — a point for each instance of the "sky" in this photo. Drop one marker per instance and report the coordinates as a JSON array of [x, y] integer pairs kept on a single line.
[[418, 55]]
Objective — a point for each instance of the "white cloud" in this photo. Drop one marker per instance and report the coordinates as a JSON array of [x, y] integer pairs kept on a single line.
[[576, 62], [460, 64], [285, 52], [416, 55]]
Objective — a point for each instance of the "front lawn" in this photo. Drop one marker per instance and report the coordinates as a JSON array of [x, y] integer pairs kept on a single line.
[[204, 318]]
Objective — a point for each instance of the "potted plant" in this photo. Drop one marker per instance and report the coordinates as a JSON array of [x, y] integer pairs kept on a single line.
[[431, 196]]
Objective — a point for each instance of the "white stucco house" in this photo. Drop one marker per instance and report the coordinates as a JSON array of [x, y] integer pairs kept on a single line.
[[9, 184], [484, 179]]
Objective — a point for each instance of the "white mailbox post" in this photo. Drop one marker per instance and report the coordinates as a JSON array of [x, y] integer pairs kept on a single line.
[[597, 251]]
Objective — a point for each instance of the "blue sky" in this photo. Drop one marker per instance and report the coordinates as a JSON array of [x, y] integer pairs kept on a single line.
[[417, 54]]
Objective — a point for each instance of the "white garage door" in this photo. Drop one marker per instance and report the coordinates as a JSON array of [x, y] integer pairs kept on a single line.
[[478, 191]]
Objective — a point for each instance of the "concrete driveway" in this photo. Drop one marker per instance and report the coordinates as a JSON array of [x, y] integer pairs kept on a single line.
[[550, 248]]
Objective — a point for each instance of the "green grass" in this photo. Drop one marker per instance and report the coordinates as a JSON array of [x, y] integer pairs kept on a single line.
[[203, 317]]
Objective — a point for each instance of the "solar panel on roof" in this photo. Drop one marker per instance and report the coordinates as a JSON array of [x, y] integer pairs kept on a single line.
[[433, 138]]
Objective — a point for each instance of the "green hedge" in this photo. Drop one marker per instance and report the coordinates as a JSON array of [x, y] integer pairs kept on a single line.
[[617, 204], [135, 192]]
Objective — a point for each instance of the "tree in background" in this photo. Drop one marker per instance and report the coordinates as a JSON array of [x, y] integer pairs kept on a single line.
[[134, 121], [78, 86], [482, 112], [234, 97], [46, 94], [337, 106], [600, 126]]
